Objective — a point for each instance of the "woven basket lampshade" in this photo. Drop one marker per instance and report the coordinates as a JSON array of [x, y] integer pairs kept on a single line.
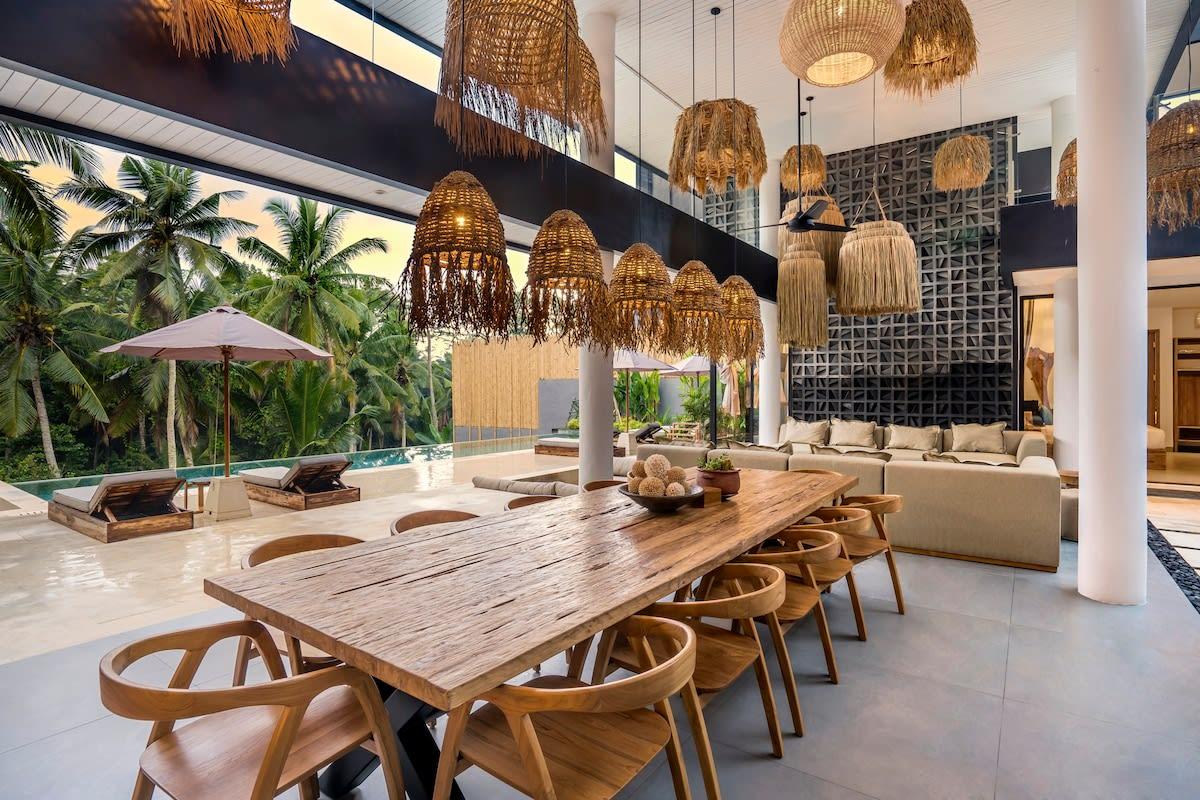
[[1173, 168], [506, 63], [457, 278], [565, 295], [827, 243], [716, 140], [1067, 183], [839, 42], [697, 313], [962, 162], [743, 318], [806, 176], [246, 29], [877, 271], [938, 48], [803, 302], [640, 294]]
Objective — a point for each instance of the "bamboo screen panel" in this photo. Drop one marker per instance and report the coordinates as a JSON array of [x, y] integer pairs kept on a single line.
[[495, 384]]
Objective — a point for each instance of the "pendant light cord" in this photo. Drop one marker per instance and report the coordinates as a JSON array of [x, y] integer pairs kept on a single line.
[[462, 77], [737, 131], [641, 79], [695, 224], [567, 127]]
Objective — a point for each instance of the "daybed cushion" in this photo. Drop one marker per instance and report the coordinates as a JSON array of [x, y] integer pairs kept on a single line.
[[79, 498], [783, 447], [852, 433], [87, 498], [986, 459], [852, 452], [794, 430], [557, 488], [1156, 438], [271, 477], [975, 438], [902, 437]]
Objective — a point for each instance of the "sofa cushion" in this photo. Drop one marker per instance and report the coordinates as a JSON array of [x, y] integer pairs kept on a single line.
[[680, 455], [793, 430], [622, 465], [755, 459], [851, 452], [852, 433], [975, 438], [900, 454], [902, 437], [868, 471], [986, 459], [557, 488]]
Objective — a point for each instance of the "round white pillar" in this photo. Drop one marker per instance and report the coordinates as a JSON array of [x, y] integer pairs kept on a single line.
[[768, 209], [1063, 128], [599, 32], [1066, 373], [1111, 85], [770, 403]]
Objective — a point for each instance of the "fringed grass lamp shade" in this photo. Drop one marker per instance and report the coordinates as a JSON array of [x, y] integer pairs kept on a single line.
[[962, 162], [457, 278], [828, 244], [640, 293], [565, 295], [246, 29], [716, 140], [1173, 168], [505, 63], [937, 49], [1067, 183], [877, 271], [743, 317], [803, 303], [806, 176], [697, 313], [839, 42]]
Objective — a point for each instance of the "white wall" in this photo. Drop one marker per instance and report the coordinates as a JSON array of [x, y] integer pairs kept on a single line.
[[1162, 320]]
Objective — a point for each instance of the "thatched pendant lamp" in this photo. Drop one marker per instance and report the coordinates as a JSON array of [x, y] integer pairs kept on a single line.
[[246, 29], [505, 62], [803, 303], [743, 317], [877, 271], [938, 48], [839, 42], [827, 243], [716, 140], [565, 295], [697, 313], [962, 162], [457, 278], [1173, 168], [640, 293], [806, 176], [1066, 185]]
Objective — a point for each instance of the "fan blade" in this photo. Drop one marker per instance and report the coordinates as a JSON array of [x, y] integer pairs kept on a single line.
[[816, 209], [825, 226], [758, 227]]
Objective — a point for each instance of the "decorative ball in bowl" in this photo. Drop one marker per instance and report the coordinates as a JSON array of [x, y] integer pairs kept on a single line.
[[719, 473], [655, 485], [663, 503]]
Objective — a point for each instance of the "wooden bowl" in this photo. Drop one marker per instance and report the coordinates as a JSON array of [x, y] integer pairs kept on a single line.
[[663, 504]]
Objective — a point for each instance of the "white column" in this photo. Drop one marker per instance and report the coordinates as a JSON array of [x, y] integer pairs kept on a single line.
[[1065, 374], [768, 208], [599, 31], [1110, 77], [769, 372], [1063, 128]]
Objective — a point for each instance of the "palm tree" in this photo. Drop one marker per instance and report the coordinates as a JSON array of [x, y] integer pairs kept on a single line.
[[160, 234], [307, 398], [314, 292], [378, 368], [22, 197]]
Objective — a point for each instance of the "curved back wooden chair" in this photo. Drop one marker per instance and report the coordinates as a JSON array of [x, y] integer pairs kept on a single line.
[[434, 516], [837, 500], [799, 552], [862, 547], [593, 486], [846, 521], [249, 741], [301, 657], [528, 500], [609, 735]]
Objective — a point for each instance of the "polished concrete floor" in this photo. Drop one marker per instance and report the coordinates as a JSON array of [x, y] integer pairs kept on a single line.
[[1182, 468], [998, 683]]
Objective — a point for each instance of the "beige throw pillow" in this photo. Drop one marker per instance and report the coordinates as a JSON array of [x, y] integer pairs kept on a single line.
[[975, 438], [902, 437], [794, 430], [831, 451], [851, 433], [782, 447], [949, 458]]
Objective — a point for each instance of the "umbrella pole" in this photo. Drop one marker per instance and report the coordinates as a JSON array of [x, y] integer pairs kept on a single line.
[[626, 401], [225, 371]]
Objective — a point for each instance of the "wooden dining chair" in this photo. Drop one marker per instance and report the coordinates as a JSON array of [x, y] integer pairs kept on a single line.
[[556, 736], [529, 500], [434, 516], [803, 549], [593, 486], [862, 547], [250, 742], [301, 657], [827, 473]]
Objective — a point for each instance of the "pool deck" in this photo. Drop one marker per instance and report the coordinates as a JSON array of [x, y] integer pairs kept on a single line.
[[59, 587]]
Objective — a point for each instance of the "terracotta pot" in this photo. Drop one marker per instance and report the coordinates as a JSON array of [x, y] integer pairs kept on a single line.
[[729, 481]]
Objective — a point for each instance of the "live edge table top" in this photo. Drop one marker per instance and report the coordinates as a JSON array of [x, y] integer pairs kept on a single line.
[[449, 611]]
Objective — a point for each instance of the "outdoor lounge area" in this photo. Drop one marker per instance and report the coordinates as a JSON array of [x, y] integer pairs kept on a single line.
[[588, 399]]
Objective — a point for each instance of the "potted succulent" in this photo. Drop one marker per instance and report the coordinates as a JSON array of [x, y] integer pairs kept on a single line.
[[718, 472]]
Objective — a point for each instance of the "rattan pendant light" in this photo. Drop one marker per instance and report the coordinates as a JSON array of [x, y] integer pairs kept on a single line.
[[839, 42], [803, 171], [565, 295], [1066, 184], [457, 278], [697, 313], [743, 319], [827, 244], [938, 47], [963, 161], [640, 292], [803, 302], [246, 29], [1173, 168]]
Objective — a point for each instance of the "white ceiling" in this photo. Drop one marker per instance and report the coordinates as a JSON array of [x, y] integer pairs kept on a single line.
[[1026, 60]]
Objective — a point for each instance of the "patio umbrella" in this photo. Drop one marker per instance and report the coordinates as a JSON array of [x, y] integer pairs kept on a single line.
[[731, 401], [629, 361], [223, 334], [692, 365]]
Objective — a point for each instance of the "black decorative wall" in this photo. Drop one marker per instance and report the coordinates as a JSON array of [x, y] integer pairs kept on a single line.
[[953, 360]]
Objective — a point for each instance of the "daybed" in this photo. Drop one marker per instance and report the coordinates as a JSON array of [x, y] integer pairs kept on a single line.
[[313, 482], [123, 506]]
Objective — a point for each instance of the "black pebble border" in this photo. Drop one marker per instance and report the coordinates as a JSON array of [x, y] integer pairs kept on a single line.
[[1182, 572]]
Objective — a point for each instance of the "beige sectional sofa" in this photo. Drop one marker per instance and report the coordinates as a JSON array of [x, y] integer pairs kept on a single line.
[[1003, 511]]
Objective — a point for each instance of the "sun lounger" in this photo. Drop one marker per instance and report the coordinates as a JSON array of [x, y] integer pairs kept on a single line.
[[312, 482], [123, 506]]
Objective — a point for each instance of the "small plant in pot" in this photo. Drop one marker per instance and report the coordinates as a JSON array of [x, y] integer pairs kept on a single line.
[[718, 473]]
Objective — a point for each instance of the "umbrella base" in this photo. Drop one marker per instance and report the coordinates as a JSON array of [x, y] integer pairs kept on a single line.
[[226, 500]]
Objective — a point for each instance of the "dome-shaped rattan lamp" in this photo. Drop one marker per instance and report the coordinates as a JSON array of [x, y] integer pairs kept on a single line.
[[716, 140], [962, 162], [1173, 168], [457, 278], [565, 294], [1066, 184], [938, 48], [246, 29], [839, 42], [877, 271], [806, 176], [743, 317], [697, 313], [803, 302], [827, 243], [640, 294]]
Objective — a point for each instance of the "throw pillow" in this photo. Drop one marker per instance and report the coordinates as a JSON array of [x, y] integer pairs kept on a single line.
[[831, 451], [975, 438], [902, 437], [794, 430], [941, 458], [784, 447], [851, 433], [948, 458]]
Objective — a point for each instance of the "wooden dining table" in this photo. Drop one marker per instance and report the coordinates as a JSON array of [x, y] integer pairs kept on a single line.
[[446, 612]]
